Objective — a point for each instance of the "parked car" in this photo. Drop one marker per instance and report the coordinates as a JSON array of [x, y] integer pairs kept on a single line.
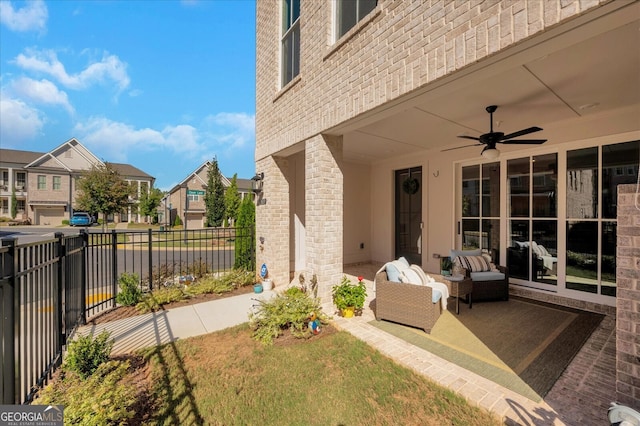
[[81, 219]]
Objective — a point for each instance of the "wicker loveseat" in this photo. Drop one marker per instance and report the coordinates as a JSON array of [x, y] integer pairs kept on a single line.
[[407, 304]]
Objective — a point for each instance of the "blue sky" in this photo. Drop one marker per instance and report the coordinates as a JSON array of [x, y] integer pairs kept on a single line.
[[161, 85]]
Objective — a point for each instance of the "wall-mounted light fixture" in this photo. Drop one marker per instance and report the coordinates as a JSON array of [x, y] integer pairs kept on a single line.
[[256, 183], [256, 186]]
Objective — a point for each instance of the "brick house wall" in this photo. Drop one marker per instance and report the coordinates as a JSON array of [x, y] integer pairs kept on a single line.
[[400, 47], [628, 298]]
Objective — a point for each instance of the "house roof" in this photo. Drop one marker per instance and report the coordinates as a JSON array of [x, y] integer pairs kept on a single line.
[[18, 157], [127, 170]]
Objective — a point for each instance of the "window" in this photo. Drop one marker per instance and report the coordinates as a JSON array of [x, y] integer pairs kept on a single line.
[[290, 41], [350, 12], [5, 178], [21, 180], [193, 197], [42, 182], [20, 205], [593, 176], [57, 183], [481, 208], [533, 222], [4, 209]]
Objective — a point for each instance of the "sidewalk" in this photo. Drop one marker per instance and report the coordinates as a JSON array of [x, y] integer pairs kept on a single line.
[[162, 327]]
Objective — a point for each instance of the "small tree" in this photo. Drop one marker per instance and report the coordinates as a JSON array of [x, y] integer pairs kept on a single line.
[[103, 190], [214, 196], [232, 201], [149, 202], [245, 240], [14, 204]]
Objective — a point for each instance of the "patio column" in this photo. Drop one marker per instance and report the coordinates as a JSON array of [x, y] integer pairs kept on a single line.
[[628, 307], [272, 220], [324, 211]]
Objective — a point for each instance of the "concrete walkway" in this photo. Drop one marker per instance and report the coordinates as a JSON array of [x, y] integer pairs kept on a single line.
[[162, 327], [580, 397]]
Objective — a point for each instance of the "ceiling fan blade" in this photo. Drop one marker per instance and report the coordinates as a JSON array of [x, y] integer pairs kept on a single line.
[[459, 147], [524, 142], [469, 137], [521, 132]]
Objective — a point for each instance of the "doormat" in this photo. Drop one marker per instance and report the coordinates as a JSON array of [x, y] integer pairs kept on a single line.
[[522, 344]]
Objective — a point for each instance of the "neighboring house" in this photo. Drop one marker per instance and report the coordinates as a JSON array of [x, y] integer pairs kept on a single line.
[[186, 199], [359, 106], [45, 183]]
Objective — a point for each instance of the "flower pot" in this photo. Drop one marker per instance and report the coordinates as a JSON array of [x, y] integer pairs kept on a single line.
[[348, 312], [267, 284], [257, 288]]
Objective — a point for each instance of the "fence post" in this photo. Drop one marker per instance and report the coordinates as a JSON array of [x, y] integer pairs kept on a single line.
[[150, 261], [83, 287], [10, 328], [60, 256], [114, 263]]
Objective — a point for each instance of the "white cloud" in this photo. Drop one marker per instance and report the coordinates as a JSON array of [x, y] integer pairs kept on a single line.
[[43, 91], [110, 67], [33, 16], [19, 121], [232, 130], [120, 139]]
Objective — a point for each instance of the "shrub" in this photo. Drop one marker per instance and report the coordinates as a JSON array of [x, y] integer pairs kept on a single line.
[[178, 221], [86, 354], [130, 293], [65, 221], [104, 398], [153, 301], [290, 310], [244, 243]]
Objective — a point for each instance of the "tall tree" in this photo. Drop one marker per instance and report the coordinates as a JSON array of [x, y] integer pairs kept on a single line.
[[214, 195], [102, 190], [149, 202], [232, 201], [245, 236]]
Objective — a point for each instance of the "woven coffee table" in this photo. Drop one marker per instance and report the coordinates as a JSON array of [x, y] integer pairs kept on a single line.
[[460, 286]]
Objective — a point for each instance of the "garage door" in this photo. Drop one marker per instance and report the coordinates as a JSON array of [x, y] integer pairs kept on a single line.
[[49, 216], [194, 220]]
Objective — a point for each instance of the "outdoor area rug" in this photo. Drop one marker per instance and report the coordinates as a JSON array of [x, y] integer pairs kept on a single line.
[[521, 344]]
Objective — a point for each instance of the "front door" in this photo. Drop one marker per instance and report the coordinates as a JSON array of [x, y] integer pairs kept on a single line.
[[408, 189]]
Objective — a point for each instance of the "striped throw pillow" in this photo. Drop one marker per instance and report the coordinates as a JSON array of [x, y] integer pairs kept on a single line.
[[475, 263]]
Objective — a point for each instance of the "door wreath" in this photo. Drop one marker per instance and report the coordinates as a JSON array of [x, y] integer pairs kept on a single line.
[[410, 186]]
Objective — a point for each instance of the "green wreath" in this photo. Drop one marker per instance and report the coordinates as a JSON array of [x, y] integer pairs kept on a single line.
[[410, 186]]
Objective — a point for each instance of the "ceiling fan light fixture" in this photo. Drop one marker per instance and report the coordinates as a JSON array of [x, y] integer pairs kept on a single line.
[[490, 153]]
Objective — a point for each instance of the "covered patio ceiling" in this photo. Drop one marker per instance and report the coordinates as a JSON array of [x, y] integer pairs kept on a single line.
[[577, 81]]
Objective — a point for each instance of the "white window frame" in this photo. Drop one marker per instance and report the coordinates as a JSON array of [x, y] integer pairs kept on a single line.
[[42, 182], [288, 31], [338, 16]]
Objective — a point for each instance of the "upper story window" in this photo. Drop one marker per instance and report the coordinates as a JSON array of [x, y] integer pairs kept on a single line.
[[350, 12], [21, 180], [193, 197], [42, 182], [57, 183], [5, 178], [290, 41]]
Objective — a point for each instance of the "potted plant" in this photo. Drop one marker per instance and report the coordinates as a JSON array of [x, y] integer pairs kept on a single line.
[[349, 297], [445, 266]]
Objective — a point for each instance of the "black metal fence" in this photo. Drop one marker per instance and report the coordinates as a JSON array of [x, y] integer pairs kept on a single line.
[[49, 288]]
